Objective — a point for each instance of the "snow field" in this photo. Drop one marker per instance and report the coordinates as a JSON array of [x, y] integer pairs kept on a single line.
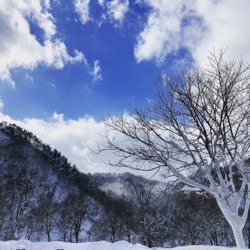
[[101, 245]]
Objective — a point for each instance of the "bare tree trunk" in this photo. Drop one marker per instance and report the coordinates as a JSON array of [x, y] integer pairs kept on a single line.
[[129, 237], [238, 235], [248, 232], [48, 236], [77, 236], [64, 237], [235, 221], [149, 243], [214, 237]]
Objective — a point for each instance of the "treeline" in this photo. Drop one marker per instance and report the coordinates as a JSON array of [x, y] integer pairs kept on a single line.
[[38, 206], [162, 217]]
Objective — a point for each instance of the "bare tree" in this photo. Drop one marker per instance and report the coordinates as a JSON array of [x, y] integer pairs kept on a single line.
[[79, 212], [112, 222], [146, 200], [46, 211], [65, 219], [198, 131], [19, 188]]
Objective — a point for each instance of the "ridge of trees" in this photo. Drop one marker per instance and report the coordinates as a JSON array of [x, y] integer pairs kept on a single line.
[[59, 162]]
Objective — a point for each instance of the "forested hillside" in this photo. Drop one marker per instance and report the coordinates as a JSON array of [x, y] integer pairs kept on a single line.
[[44, 197]]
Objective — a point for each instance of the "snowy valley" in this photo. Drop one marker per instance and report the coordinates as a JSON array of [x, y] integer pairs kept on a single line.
[[44, 198]]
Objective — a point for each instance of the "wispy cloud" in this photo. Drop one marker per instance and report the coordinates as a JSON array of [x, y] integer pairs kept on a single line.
[[97, 72], [82, 9], [1, 104], [29, 77], [117, 9]]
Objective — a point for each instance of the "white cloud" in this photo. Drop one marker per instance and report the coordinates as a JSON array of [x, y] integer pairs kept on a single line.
[[101, 2], [73, 138], [82, 9], [117, 9], [227, 27], [77, 139], [20, 48], [1, 104], [199, 26], [112, 10], [162, 33], [96, 73]]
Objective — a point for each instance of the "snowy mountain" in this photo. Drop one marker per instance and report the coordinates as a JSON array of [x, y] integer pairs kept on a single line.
[[45, 198], [38, 187]]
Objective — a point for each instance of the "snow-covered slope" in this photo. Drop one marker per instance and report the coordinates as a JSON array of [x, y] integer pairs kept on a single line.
[[101, 245]]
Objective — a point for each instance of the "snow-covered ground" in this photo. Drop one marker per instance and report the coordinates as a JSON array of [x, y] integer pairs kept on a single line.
[[101, 245]]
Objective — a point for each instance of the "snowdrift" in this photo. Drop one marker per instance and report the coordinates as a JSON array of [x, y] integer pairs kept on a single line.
[[101, 245]]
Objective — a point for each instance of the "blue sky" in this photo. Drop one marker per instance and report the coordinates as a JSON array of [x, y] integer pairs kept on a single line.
[[66, 64], [74, 90]]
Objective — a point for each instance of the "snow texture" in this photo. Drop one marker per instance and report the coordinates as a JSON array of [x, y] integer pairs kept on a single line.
[[101, 245]]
